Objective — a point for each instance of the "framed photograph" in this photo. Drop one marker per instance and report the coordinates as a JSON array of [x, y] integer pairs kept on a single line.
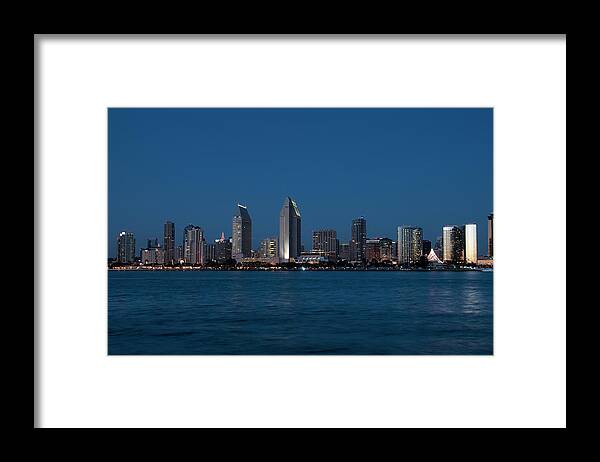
[[323, 231]]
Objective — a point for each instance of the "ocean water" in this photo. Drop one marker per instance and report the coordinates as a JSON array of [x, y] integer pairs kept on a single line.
[[299, 313]]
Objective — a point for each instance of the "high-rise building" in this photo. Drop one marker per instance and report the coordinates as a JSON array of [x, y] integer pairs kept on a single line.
[[194, 245], [269, 248], [426, 247], [344, 252], [410, 244], [169, 243], [125, 247], [325, 242], [438, 243], [471, 243], [290, 237], [394, 250], [179, 254], [153, 254], [210, 252], [372, 250], [186, 246], [223, 248], [453, 244], [491, 235], [242, 234], [386, 247], [359, 239]]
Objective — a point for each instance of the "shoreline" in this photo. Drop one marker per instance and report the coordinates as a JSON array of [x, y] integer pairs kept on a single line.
[[279, 269]]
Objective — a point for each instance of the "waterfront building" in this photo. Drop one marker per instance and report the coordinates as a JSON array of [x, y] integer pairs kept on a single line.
[[426, 247], [386, 246], [372, 250], [169, 243], [125, 247], [471, 243], [223, 248], [194, 245], [325, 241], [209, 252], [410, 244], [485, 262], [269, 248], [394, 250], [433, 257], [491, 235], [290, 235], [147, 256], [159, 255], [344, 252], [453, 243], [186, 247], [179, 254], [312, 258], [359, 239], [152, 243], [438, 243], [242, 234]]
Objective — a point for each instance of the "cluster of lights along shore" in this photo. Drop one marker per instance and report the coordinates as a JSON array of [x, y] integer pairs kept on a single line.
[[455, 247]]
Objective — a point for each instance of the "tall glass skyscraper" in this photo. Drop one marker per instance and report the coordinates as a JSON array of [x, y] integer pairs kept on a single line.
[[471, 243], [193, 245], [169, 243], [125, 247], [325, 241], [359, 239], [269, 248], [290, 236], [241, 245], [453, 243], [410, 244], [223, 248]]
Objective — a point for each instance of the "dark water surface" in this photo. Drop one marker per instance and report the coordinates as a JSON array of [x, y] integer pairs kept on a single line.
[[301, 312]]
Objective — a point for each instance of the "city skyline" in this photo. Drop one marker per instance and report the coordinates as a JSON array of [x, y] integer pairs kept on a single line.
[[431, 167], [455, 242]]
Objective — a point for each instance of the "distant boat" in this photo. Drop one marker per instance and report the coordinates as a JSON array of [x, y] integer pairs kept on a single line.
[[487, 270]]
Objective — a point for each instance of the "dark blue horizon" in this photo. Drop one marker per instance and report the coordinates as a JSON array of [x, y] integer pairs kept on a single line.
[[427, 167]]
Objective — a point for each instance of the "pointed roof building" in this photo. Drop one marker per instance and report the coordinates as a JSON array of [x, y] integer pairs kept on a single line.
[[433, 258]]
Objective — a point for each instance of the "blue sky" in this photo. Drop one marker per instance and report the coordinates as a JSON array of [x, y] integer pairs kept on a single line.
[[424, 167]]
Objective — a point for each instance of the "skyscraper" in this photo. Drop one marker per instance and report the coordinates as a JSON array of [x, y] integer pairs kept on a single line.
[[269, 248], [210, 252], [242, 234], [325, 242], [453, 243], [223, 248], [372, 250], [471, 243], [386, 249], [194, 245], [290, 236], [410, 244], [169, 243], [359, 239], [125, 247], [426, 247], [186, 243], [491, 235], [344, 252]]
